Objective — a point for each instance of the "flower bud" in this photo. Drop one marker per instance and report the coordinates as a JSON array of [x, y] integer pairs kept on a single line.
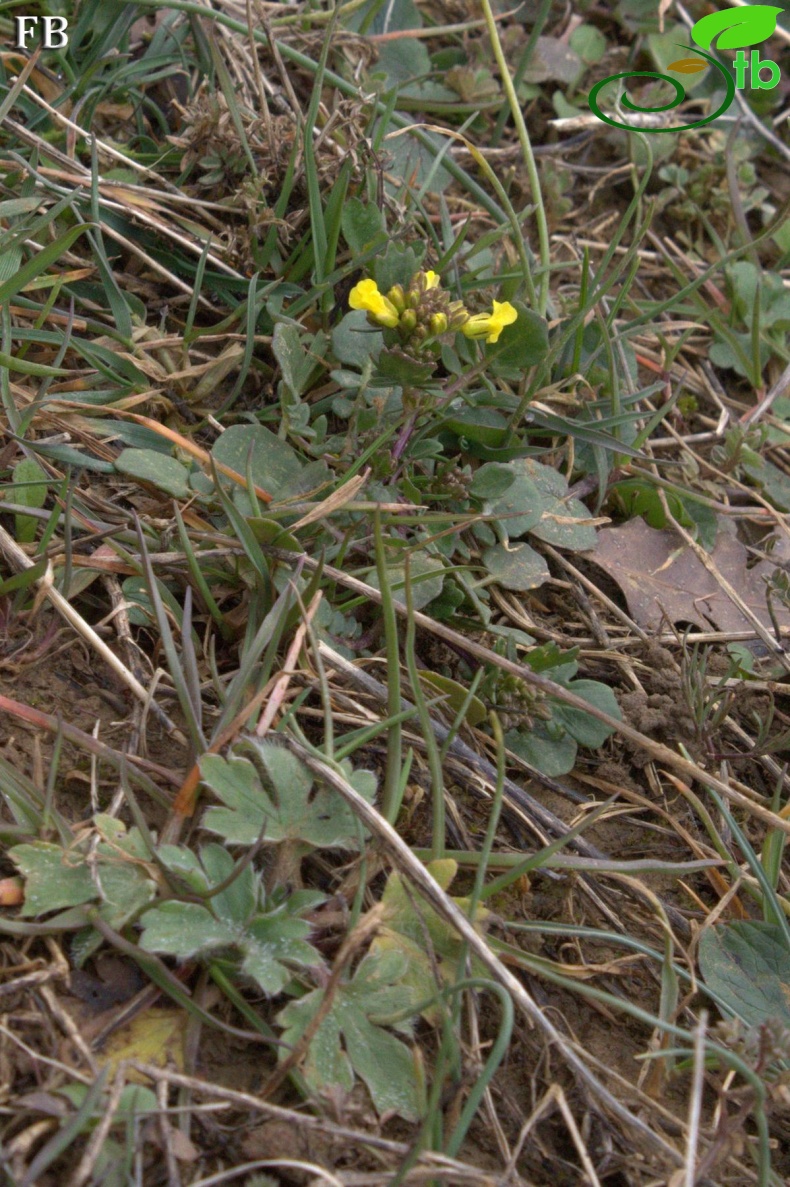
[[397, 296], [438, 323], [408, 321]]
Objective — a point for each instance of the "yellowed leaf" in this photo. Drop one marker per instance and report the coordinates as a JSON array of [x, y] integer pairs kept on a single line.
[[156, 1036]]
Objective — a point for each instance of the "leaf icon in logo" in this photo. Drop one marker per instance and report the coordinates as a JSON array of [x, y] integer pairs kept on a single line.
[[688, 65], [738, 27]]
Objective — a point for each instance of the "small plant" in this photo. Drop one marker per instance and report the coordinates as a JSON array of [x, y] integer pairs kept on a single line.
[[261, 936], [541, 729]]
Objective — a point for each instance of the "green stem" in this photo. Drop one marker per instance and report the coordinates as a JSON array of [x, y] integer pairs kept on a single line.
[[392, 792], [426, 725], [529, 157]]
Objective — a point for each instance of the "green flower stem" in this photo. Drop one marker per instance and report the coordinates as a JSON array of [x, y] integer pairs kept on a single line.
[[493, 819], [392, 792], [523, 63], [529, 157], [426, 725]]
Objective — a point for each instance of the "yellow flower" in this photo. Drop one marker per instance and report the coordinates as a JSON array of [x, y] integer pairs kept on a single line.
[[490, 325], [366, 295], [431, 280]]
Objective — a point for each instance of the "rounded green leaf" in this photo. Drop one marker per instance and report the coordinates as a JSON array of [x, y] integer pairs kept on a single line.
[[482, 425], [148, 465], [552, 756], [521, 506], [586, 729], [517, 566], [521, 344], [746, 963], [491, 481]]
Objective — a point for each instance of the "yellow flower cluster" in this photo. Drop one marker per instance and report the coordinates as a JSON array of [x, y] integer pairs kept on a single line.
[[425, 310]]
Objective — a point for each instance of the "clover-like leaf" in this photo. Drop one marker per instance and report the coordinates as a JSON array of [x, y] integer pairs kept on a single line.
[[352, 1040], [267, 940], [274, 793]]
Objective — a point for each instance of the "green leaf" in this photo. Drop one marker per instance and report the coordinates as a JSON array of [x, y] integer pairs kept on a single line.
[[30, 489], [483, 425], [395, 367], [554, 756], [354, 341], [53, 879], [271, 531], [184, 930], [39, 263], [375, 17], [562, 521], [274, 464], [351, 1040], [738, 27], [267, 940], [664, 48], [149, 465], [747, 965], [362, 223], [298, 359], [522, 505], [277, 790], [773, 482], [491, 481], [516, 566], [589, 43], [588, 731], [455, 696], [521, 344], [56, 878], [398, 263], [412, 165], [141, 611], [744, 279], [427, 943], [427, 578]]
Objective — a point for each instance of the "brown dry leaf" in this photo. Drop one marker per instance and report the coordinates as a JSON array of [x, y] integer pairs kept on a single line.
[[660, 576]]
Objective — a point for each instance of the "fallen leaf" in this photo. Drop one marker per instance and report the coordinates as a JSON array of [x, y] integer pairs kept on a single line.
[[661, 577], [156, 1037]]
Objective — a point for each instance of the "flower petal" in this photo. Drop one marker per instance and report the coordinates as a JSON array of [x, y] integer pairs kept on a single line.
[[365, 295]]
